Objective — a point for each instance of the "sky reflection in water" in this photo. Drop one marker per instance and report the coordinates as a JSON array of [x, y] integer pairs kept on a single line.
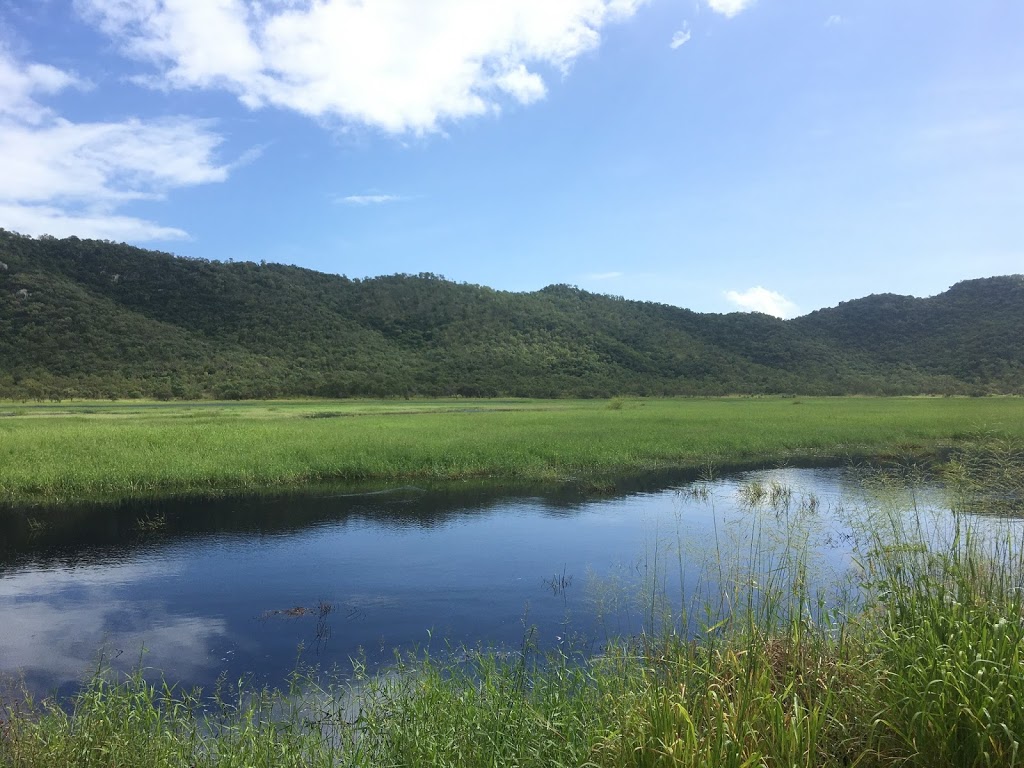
[[240, 586]]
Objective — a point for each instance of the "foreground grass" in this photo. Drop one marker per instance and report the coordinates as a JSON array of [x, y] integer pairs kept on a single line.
[[922, 666], [57, 454]]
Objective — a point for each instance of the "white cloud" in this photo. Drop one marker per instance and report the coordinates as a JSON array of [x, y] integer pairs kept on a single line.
[[64, 178], [399, 65], [729, 8], [681, 37], [525, 86], [604, 275], [19, 84], [370, 199], [834, 20], [59, 222], [760, 299], [105, 163]]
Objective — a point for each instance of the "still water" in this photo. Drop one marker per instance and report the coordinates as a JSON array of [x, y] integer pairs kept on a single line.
[[243, 587]]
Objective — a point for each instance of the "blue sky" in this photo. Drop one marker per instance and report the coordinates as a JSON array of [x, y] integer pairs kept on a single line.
[[771, 155]]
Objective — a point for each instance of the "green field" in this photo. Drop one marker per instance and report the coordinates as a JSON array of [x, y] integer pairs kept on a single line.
[[52, 454]]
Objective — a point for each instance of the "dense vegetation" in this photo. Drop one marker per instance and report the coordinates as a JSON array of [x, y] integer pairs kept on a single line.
[[92, 319], [65, 453], [920, 665]]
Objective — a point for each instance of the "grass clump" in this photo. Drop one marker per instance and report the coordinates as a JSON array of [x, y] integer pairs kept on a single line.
[[947, 610], [134, 723]]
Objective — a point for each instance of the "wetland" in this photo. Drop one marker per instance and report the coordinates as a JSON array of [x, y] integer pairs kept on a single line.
[[825, 582], [242, 585]]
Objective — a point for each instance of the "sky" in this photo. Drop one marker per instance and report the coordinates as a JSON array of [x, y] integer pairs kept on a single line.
[[755, 155]]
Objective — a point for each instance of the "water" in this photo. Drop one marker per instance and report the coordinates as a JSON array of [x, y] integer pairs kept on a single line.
[[244, 587]]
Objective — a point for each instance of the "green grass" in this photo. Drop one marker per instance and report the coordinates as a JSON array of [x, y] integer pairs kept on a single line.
[[59, 453], [922, 666]]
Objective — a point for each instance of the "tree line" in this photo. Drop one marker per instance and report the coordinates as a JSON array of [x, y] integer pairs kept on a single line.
[[97, 319]]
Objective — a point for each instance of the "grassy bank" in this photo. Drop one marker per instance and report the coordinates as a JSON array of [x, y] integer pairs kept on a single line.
[[60, 453], [921, 665]]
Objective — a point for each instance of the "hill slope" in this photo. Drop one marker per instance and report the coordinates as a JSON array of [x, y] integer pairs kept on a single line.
[[92, 319]]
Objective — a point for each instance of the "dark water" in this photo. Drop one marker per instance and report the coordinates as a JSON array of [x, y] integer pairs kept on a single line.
[[242, 586]]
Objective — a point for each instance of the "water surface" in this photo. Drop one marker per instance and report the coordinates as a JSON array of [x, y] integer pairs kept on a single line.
[[243, 587]]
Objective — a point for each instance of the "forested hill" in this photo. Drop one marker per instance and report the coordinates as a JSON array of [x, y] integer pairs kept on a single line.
[[84, 318]]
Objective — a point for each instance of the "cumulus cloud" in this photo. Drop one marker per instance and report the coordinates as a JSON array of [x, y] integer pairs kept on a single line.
[[399, 65], [760, 299], [62, 177], [729, 7], [18, 86], [680, 38], [370, 199]]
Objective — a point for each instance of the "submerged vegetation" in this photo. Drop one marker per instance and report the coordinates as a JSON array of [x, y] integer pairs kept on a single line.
[[915, 659], [61, 454]]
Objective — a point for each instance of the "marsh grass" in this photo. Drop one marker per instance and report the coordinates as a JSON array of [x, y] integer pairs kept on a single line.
[[987, 475], [151, 523], [920, 665], [61, 454], [947, 603], [948, 650]]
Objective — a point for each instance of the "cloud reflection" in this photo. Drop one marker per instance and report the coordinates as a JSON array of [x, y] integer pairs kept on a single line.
[[59, 623]]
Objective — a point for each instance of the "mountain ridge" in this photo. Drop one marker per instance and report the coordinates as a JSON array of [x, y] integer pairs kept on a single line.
[[87, 318]]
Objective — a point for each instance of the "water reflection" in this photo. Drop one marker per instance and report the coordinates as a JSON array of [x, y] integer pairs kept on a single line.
[[242, 586]]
